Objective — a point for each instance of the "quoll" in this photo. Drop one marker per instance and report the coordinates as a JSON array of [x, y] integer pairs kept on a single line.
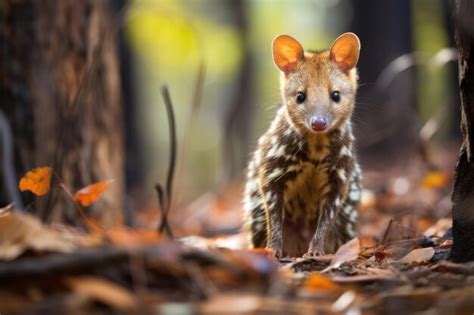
[[303, 181]]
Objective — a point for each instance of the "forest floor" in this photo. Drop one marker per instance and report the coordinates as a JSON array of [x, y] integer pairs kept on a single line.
[[398, 265]]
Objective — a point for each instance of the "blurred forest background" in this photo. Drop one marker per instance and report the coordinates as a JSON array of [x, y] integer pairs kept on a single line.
[[83, 102], [215, 58]]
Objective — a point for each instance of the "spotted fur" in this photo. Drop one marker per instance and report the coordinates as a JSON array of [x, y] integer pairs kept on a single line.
[[303, 188]]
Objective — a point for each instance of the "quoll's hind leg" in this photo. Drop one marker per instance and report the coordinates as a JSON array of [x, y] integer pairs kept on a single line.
[[258, 228], [272, 195], [254, 213]]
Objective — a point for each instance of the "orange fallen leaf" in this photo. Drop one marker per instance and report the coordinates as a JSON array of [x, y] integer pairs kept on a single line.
[[91, 193], [434, 179], [38, 181], [263, 251], [319, 282]]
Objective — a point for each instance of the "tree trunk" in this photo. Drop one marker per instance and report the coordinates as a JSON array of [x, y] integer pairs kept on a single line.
[[389, 127], [236, 139], [463, 194], [60, 90]]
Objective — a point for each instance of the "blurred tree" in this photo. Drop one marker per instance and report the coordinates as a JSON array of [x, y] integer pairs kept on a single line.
[[134, 160], [60, 91], [237, 120], [390, 125], [453, 78], [463, 194]]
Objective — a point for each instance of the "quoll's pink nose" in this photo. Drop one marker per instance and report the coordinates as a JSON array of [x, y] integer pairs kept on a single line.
[[319, 123]]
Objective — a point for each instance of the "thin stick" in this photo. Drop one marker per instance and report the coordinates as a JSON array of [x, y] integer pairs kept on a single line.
[[164, 226]]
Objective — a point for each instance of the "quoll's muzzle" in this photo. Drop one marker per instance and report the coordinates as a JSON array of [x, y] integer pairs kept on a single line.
[[319, 123]]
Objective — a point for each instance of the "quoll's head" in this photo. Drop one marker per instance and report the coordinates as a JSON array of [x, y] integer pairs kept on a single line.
[[318, 88]]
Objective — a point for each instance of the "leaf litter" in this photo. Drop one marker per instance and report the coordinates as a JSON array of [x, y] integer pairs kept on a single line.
[[397, 265]]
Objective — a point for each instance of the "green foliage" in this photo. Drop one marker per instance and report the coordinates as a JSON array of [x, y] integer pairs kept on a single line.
[[168, 40]]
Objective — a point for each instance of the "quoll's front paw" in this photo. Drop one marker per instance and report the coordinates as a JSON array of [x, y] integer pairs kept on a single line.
[[277, 251], [312, 253]]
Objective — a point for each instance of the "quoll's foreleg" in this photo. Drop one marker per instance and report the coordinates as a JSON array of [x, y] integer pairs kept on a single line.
[[328, 213]]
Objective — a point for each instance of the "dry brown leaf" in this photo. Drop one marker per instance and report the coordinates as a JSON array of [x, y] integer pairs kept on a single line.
[[37, 181], [418, 255], [91, 193], [103, 291], [124, 236], [21, 232], [347, 252], [397, 232]]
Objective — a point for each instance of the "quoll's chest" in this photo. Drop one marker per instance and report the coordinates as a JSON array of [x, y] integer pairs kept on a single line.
[[304, 195]]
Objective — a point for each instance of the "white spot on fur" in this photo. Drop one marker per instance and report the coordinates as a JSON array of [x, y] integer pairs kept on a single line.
[[350, 230], [276, 172], [276, 151], [354, 195], [292, 168], [258, 157], [271, 205], [342, 174], [353, 215], [337, 202], [347, 210], [274, 140], [251, 203], [251, 186], [345, 151]]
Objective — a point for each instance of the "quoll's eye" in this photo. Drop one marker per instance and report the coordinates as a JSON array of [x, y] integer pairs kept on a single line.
[[300, 97], [336, 96]]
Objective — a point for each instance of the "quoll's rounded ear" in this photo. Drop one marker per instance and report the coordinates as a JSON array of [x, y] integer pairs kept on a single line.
[[345, 51], [287, 51]]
